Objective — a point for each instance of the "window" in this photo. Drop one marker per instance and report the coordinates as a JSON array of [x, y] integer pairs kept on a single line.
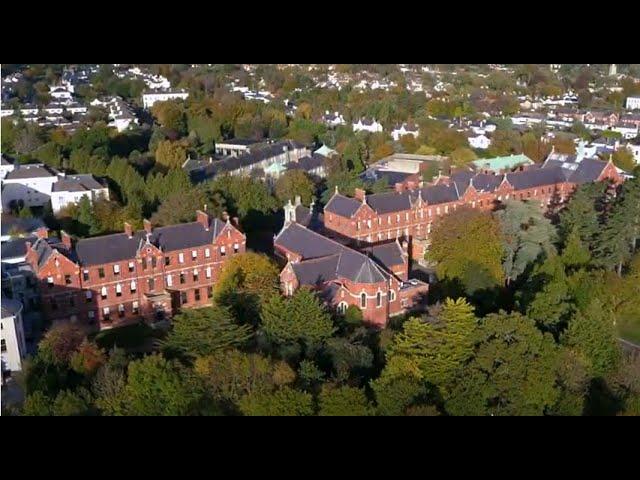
[[194, 254], [363, 300], [208, 272], [398, 218], [132, 267], [116, 269], [342, 308], [106, 314], [152, 284], [101, 272], [392, 295], [121, 310], [183, 298], [50, 282], [446, 209], [406, 216], [167, 260], [154, 262], [195, 275], [144, 265], [389, 220], [181, 258], [91, 314], [207, 253], [182, 278], [236, 248], [197, 294], [89, 295], [223, 251], [103, 293], [85, 275], [118, 290], [135, 308], [67, 279], [209, 292], [378, 299], [133, 286], [169, 281]]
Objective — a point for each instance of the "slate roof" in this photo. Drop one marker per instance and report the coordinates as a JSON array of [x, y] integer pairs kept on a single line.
[[389, 202], [341, 205], [325, 260], [388, 254], [77, 183], [436, 194], [9, 307], [117, 247], [536, 178], [31, 171], [588, 170], [17, 247]]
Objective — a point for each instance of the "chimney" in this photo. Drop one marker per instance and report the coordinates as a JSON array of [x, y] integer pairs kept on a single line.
[[42, 232], [128, 229], [405, 246], [298, 200], [66, 240], [203, 219], [399, 187], [360, 194], [147, 226]]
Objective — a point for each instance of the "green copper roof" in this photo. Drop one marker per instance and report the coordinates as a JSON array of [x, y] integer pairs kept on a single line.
[[275, 168], [502, 163]]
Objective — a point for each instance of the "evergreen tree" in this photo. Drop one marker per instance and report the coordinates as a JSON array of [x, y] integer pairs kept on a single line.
[[343, 401]]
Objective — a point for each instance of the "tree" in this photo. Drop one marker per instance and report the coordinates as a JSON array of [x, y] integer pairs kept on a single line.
[[180, 207], [284, 402], [467, 247], [581, 213], [85, 216], [69, 404], [575, 255], [88, 358], [170, 154], [512, 370], [527, 234], [343, 401], [25, 212], [245, 282], [505, 142], [349, 358], [409, 143], [461, 156], [108, 387], [394, 395], [157, 387], [573, 382], [60, 343], [425, 150], [295, 183], [434, 349], [203, 331], [231, 374], [592, 334], [382, 151], [300, 318], [170, 115], [309, 373], [36, 404]]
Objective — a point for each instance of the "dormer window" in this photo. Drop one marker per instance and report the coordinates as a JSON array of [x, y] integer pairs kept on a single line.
[[223, 251], [50, 282], [132, 267]]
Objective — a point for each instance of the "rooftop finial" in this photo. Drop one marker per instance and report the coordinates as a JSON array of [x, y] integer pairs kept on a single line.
[[148, 237]]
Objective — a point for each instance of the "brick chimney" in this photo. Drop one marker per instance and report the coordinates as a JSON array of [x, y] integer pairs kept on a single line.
[[66, 239], [128, 229], [360, 194], [42, 232], [203, 219], [399, 187], [147, 226]]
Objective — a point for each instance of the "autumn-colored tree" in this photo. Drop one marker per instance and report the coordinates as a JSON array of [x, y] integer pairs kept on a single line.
[[60, 343], [295, 183], [170, 154], [382, 151], [623, 158], [343, 401], [467, 247], [284, 402], [88, 358], [462, 156], [409, 143], [170, 115]]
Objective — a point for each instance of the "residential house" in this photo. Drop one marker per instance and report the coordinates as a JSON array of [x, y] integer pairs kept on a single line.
[[151, 97], [405, 129], [367, 125]]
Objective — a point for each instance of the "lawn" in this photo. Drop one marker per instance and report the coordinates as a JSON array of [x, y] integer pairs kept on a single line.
[[629, 329], [131, 337]]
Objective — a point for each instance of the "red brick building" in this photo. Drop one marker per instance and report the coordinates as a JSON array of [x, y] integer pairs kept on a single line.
[[115, 279], [375, 280], [410, 214]]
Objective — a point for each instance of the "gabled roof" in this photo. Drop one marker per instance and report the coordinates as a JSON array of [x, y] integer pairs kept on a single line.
[[296, 238], [388, 254], [341, 205], [31, 171], [389, 202], [588, 170], [113, 248]]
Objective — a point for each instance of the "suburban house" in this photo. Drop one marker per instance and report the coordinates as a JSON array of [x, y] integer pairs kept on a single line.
[[404, 129], [333, 119], [35, 185], [374, 281], [481, 142], [150, 274], [120, 114], [235, 147], [367, 125], [149, 98]]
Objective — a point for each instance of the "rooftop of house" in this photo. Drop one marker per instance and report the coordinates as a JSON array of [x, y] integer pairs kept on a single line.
[[10, 307], [77, 183], [10, 223], [31, 171], [498, 164]]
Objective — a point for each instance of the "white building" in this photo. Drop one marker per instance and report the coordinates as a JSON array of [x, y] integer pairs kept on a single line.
[[333, 119], [633, 103], [635, 149], [61, 94], [36, 185], [14, 347], [367, 125], [627, 131], [404, 129], [6, 167], [148, 99], [481, 142]]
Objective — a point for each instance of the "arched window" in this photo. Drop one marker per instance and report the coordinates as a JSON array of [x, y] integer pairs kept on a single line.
[[342, 308], [379, 299], [363, 300], [392, 295]]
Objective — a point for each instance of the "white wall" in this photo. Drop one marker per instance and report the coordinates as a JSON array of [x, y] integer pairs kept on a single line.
[[13, 336]]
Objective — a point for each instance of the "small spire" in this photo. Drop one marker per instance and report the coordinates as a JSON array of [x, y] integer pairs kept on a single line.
[[337, 189], [148, 236]]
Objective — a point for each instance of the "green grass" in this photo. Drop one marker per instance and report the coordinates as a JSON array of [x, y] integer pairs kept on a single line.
[[128, 337], [629, 329]]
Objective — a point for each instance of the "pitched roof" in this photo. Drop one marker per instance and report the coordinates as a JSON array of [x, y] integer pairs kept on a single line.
[[31, 171], [589, 169], [388, 254], [23, 224], [77, 183], [389, 202], [308, 244], [113, 248], [341, 205]]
